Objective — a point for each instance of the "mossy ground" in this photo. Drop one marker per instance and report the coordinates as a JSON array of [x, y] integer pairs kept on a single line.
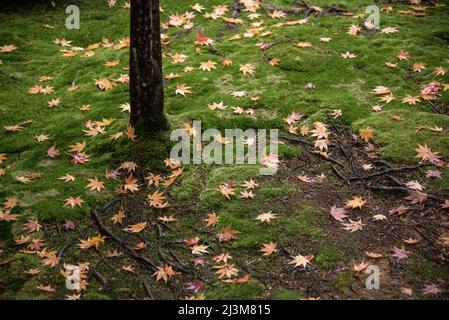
[[340, 84]]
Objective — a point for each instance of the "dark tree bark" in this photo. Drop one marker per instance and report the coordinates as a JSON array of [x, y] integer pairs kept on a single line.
[[146, 83]]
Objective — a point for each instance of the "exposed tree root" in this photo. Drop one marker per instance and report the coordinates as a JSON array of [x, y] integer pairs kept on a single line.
[[302, 8], [119, 241], [386, 172], [402, 190]]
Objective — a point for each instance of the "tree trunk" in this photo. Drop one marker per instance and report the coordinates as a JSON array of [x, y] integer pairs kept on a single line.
[[146, 84]]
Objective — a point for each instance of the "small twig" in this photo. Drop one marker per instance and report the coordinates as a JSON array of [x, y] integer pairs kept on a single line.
[[147, 288], [333, 161], [399, 183], [104, 259], [340, 175], [63, 249], [97, 275], [58, 227]]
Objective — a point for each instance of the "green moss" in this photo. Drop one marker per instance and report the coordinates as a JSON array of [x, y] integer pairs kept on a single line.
[[306, 221], [149, 151], [284, 294], [95, 296], [5, 232], [328, 256], [426, 269], [289, 151], [273, 192], [14, 273], [222, 291], [399, 138], [343, 281]]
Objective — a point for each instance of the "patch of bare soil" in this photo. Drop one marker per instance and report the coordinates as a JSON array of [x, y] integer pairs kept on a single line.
[[384, 186]]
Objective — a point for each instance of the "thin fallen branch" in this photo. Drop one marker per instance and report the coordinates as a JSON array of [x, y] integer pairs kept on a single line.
[[340, 175], [302, 8], [296, 139], [329, 159], [100, 278], [308, 143], [63, 249], [387, 171], [401, 190], [186, 32], [147, 288]]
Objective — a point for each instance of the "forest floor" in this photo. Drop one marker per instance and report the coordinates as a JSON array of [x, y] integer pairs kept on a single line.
[[374, 199]]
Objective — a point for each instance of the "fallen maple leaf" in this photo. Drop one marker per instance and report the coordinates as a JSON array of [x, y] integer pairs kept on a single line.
[[10, 202], [431, 289], [48, 288], [130, 184], [95, 184], [226, 271], [266, 217], [426, 154], [268, 248], [67, 178], [247, 69], [247, 195], [199, 249], [91, 242], [360, 267], [130, 132], [228, 234], [50, 259], [417, 197], [69, 225], [72, 202], [353, 226], [136, 228], [399, 253], [403, 55], [182, 89], [208, 65], [338, 213], [226, 190], [212, 219], [223, 257], [118, 217], [373, 255], [156, 200], [300, 260], [7, 48], [32, 226], [53, 152], [165, 273], [355, 202]]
